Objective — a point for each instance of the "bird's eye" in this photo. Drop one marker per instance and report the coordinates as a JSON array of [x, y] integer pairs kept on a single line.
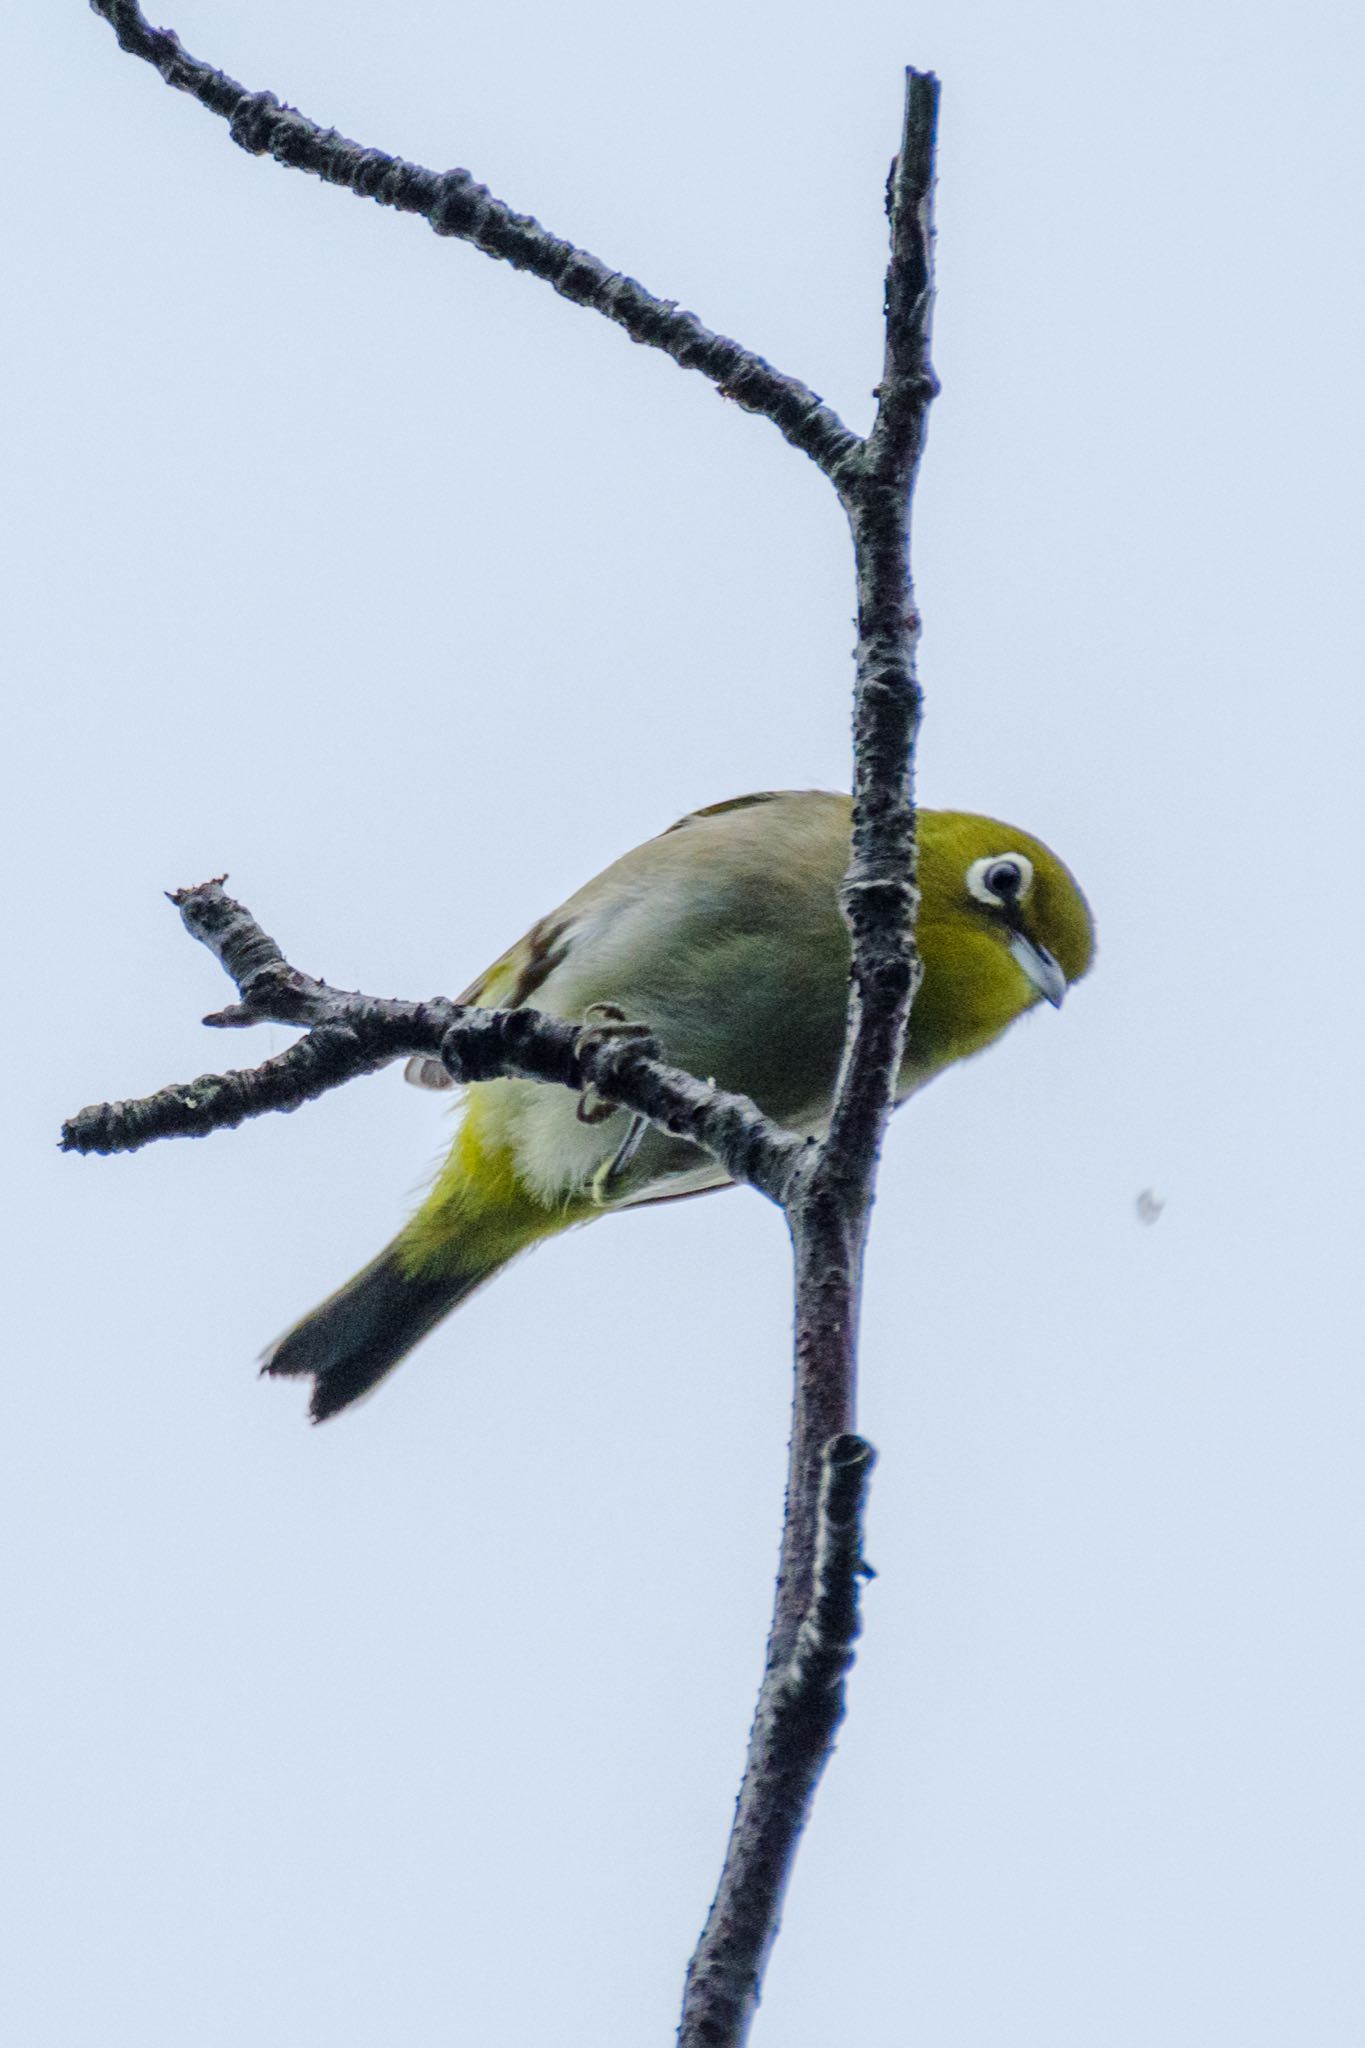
[[1001, 879]]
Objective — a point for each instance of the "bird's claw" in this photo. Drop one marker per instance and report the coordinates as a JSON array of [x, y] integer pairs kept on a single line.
[[602, 1021], [603, 1186]]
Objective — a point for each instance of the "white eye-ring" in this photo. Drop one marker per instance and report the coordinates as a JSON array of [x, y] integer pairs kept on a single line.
[[1000, 879]]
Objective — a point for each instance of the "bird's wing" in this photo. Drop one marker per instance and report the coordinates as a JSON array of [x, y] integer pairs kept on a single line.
[[508, 984], [715, 933]]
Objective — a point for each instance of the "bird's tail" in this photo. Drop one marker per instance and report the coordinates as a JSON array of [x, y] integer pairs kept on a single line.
[[360, 1333], [477, 1217]]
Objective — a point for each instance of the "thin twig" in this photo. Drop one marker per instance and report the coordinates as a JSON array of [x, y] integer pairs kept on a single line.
[[830, 1198], [799, 1711], [455, 204], [350, 1034], [831, 1625]]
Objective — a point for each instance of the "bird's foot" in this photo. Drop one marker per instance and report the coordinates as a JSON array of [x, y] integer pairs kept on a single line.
[[602, 1021]]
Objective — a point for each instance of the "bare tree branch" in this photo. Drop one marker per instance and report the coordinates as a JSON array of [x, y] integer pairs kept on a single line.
[[826, 1188], [455, 204], [350, 1034], [830, 1199], [799, 1711]]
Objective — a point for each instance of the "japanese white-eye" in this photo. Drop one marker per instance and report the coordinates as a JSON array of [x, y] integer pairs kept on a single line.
[[724, 936]]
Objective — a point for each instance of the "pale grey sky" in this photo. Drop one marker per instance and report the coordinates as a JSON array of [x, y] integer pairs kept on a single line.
[[425, 1727]]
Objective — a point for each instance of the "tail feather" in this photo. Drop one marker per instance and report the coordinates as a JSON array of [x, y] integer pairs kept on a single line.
[[356, 1337], [478, 1215]]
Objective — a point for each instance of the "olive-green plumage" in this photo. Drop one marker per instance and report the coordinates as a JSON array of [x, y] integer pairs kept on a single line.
[[724, 936]]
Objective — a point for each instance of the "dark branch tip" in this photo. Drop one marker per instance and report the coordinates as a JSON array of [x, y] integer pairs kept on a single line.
[[180, 897], [236, 1017], [849, 1452]]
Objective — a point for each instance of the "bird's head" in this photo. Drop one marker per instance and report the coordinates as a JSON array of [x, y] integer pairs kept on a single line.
[[1002, 925]]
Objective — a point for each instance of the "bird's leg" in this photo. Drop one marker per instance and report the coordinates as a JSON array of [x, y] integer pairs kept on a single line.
[[604, 1183]]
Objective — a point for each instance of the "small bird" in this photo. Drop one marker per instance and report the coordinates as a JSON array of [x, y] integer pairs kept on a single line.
[[724, 937]]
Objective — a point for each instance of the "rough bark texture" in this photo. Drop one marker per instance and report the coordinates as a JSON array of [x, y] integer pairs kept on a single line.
[[830, 1200], [350, 1034], [826, 1188], [455, 204]]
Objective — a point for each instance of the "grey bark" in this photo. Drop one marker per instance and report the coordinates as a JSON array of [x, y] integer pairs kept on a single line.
[[825, 1188]]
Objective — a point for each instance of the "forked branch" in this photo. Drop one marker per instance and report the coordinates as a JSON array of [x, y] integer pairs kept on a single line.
[[825, 1188], [830, 1199], [348, 1034]]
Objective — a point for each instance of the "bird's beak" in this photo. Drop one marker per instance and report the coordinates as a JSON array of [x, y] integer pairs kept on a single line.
[[1040, 967]]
